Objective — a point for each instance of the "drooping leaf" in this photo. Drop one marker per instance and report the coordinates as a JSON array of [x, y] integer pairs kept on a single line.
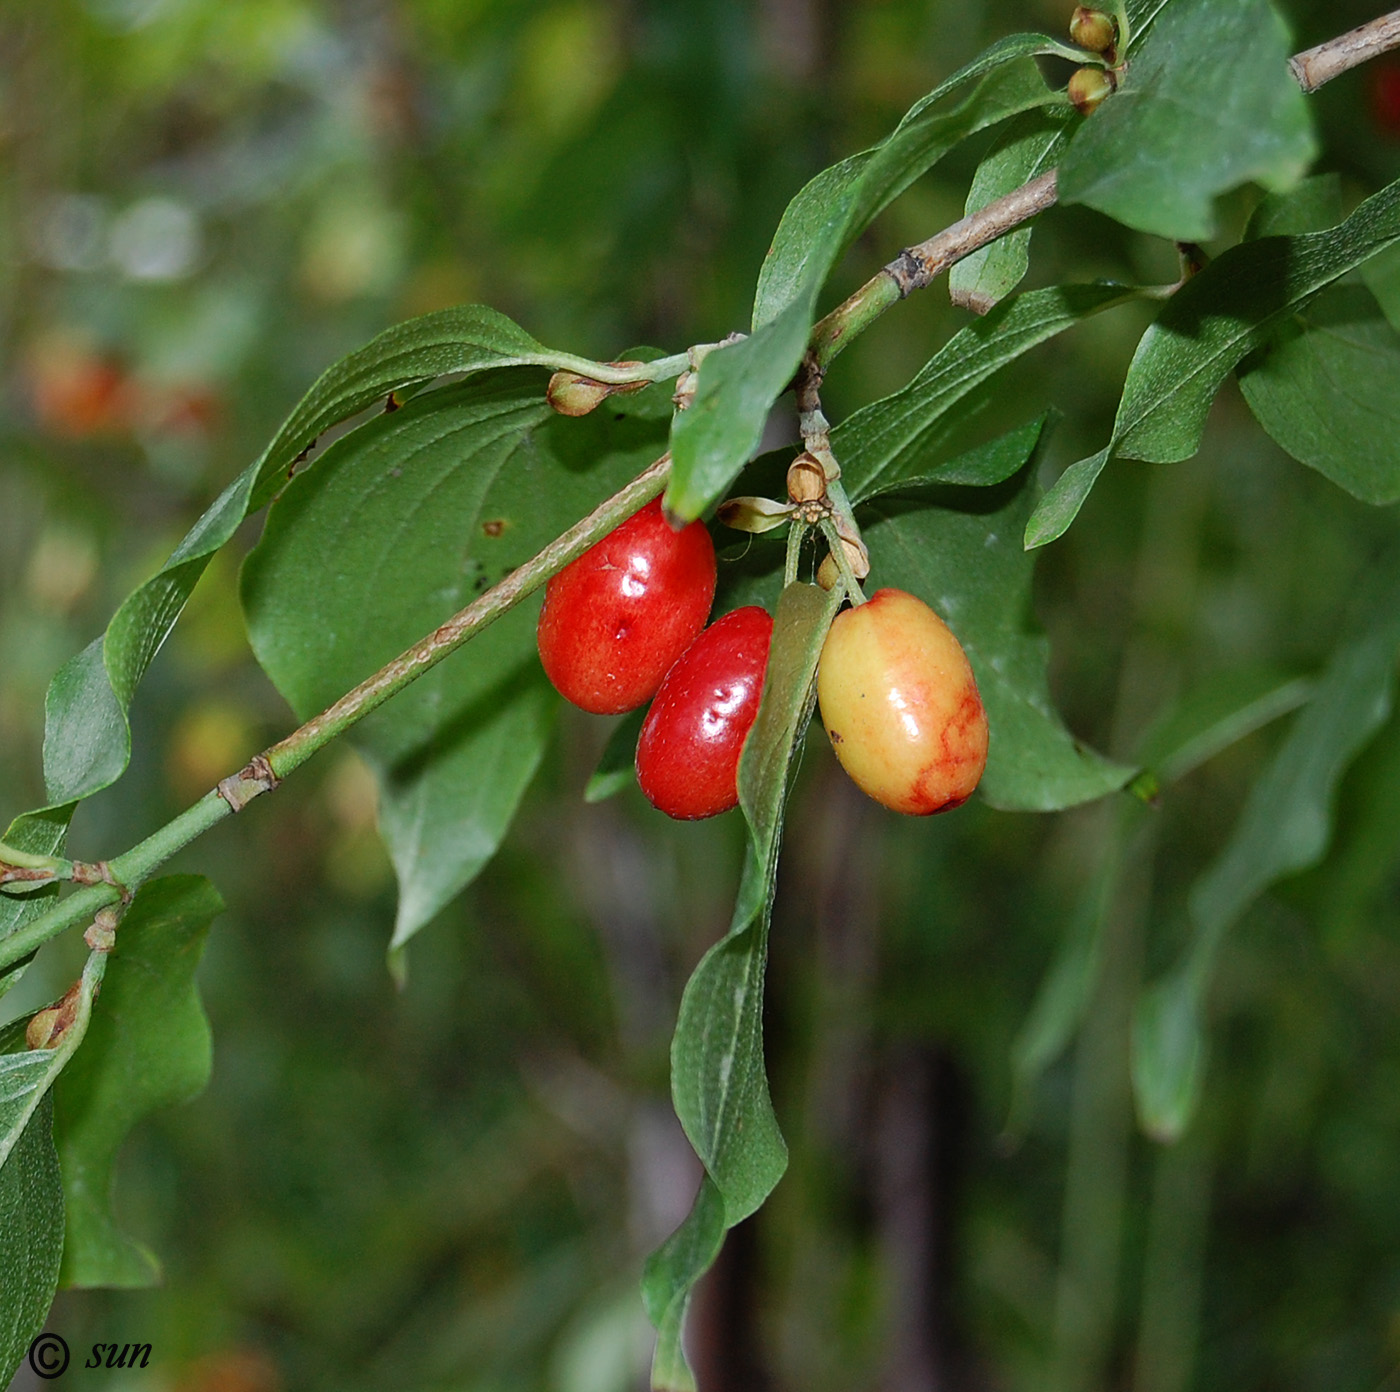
[[1327, 389], [1218, 713], [1285, 827], [148, 1046], [719, 1080], [960, 552], [1226, 311], [1032, 143], [31, 1237], [1211, 718], [617, 765], [87, 741], [1067, 987], [738, 384], [1206, 104], [890, 439], [400, 525]]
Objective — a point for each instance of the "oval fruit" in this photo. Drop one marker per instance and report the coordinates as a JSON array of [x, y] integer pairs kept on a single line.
[[901, 705], [615, 619], [688, 752]]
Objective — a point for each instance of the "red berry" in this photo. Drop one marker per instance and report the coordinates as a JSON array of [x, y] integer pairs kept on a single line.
[[688, 753], [615, 620]]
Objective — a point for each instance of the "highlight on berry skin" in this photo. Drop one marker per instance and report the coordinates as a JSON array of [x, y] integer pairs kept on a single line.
[[615, 619], [900, 705]]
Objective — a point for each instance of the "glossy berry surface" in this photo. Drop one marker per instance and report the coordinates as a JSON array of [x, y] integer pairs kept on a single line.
[[615, 620], [901, 705], [688, 753]]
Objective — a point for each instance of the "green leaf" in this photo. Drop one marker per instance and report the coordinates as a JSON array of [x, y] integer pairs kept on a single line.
[[1285, 827], [31, 1238], [1315, 204], [737, 384], [962, 555], [87, 740], [40, 833], [669, 1278], [890, 440], [981, 467], [400, 525], [1221, 711], [1382, 277], [27, 1074], [1327, 389], [617, 766], [719, 1082], [1206, 104], [1065, 991], [1032, 143], [147, 1047], [1230, 308]]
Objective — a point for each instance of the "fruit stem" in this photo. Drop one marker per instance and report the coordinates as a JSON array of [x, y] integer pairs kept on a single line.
[[843, 563], [796, 532]]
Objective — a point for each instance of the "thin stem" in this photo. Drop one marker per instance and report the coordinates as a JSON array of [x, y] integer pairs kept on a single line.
[[266, 770], [1317, 65], [301, 744], [918, 266], [796, 532]]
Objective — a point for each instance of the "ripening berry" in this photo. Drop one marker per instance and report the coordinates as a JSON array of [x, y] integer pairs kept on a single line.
[[688, 752], [615, 620], [901, 706]]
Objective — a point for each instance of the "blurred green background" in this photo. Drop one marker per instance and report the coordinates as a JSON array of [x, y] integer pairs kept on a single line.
[[203, 203]]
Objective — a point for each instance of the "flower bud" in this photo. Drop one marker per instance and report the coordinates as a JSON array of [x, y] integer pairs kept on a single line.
[[1093, 29], [829, 572], [573, 395], [40, 1028], [806, 479], [753, 514], [1088, 87]]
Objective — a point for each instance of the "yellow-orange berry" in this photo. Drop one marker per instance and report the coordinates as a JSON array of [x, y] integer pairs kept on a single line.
[[901, 706]]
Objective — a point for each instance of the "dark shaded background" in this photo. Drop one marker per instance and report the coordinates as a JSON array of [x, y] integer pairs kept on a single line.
[[203, 204]]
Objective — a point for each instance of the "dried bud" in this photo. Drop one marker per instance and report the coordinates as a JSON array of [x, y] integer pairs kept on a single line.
[[1088, 87], [573, 395], [40, 1028], [1093, 29], [685, 390], [829, 573], [753, 514], [806, 479]]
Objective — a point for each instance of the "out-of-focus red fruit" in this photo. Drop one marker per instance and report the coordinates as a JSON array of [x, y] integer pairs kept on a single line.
[[615, 620], [1385, 97], [79, 394], [688, 752]]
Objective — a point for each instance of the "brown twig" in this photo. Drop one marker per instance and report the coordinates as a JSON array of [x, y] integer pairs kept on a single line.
[[1317, 65], [918, 266]]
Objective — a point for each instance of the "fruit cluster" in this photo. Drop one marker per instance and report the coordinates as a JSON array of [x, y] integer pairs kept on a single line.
[[625, 623]]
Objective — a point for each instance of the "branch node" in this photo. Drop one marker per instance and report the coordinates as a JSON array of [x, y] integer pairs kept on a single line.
[[249, 782], [101, 935], [96, 872]]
